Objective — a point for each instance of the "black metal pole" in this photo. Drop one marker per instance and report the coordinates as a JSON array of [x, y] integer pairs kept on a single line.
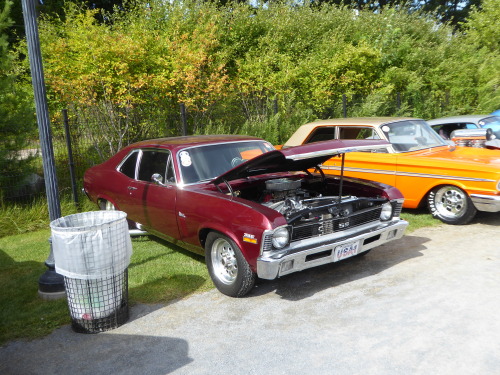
[[183, 119], [344, 105], [50, 284], [71, 164], [341, 178]]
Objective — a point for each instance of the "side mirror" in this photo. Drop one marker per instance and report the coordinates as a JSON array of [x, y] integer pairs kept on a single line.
[[157, 179]]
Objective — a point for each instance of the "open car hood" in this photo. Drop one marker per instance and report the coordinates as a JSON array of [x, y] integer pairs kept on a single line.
[[298, 158]]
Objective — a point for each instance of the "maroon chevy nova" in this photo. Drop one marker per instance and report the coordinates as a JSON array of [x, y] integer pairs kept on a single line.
[[251, 210]]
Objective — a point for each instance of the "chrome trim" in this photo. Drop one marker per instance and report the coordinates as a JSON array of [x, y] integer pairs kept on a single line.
[[488, 203], [269, 263], [409, 174]]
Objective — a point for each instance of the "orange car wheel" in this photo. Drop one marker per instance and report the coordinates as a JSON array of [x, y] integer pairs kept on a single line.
[[451, 205]]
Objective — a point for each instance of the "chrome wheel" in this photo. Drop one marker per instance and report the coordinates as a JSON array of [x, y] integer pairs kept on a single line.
[[451, 205], [450, 202], [227, 266], [224, 262]]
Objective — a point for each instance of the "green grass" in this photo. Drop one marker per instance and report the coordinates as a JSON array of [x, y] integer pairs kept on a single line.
[[159, 273], [419, 219], [24, 218]]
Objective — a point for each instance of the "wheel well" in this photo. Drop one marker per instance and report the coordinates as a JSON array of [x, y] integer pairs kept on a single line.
[[203, 235], [423, 201], [100, 201]]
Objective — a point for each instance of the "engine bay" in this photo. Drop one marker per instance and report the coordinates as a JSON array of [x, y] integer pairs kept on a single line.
[[301, 201]]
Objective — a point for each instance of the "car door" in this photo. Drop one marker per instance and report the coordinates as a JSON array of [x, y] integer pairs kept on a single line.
[[161, 200], [126, 181]]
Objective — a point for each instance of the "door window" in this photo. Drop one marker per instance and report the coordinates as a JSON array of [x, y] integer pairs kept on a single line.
[[153, 161], [352, 132]]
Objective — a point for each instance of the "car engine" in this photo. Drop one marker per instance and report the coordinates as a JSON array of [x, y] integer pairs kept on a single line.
[[288, 198], [311, 213]]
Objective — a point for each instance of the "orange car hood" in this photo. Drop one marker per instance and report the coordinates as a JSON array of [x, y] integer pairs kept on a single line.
[[459, 157]]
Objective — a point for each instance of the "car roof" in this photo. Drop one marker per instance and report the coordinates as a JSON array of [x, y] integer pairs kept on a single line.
[[357, 121], [175, 143], [306, 129], [360, 121]]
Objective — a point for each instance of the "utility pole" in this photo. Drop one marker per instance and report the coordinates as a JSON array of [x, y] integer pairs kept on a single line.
[[50, 284]]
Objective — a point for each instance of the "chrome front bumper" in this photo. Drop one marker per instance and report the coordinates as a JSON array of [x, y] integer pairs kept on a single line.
[[488, 203], [317, 251]]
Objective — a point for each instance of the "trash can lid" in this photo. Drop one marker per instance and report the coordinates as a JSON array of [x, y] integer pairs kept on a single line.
[[87, 220]]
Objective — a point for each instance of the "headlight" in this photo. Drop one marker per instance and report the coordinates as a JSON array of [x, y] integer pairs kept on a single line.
[[386, 213], [280, 238], [498, 185]]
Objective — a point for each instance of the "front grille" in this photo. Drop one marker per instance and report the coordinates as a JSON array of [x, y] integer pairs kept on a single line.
[[397, 207], [326, 224], [267, 242]]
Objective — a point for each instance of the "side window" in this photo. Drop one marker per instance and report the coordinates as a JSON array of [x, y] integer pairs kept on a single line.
[[446, 129], [128, 166], [170, 177], [351, 132], [322, 134], [153, 161], [470, 126]]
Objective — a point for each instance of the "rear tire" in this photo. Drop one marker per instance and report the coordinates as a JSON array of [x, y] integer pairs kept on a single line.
[[228, 268], [105, 205], [451, 205], [135, 229]]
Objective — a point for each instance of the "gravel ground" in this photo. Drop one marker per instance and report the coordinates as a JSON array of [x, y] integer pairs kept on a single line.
[[426, 304]]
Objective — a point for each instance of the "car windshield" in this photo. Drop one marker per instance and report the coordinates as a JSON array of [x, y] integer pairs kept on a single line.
[[411, 135], [204, 163]]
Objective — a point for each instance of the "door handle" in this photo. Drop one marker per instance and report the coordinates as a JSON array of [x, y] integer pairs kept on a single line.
[[131, 188]]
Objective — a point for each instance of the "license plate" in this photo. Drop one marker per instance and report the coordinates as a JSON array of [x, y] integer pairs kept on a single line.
[[345, 251]]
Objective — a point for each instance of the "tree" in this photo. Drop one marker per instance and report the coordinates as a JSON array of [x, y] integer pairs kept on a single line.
[[483, 33], [16, 109], [52, 8], [452, 11]]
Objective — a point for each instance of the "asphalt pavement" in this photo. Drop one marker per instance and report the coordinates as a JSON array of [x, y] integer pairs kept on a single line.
[[426, 304]]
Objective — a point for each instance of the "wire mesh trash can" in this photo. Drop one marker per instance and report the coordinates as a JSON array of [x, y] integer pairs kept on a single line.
[[92, 251]]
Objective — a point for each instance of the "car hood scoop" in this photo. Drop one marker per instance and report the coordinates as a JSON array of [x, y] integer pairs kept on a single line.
[[298, 158]]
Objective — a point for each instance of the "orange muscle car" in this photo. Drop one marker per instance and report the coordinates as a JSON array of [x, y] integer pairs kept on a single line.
[[454, 182]]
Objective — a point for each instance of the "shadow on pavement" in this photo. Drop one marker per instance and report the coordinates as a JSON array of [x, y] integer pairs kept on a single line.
[[305, 284], [487, 218], [95, 354]]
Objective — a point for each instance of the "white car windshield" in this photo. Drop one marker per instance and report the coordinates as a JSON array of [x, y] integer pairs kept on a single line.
[[204, 163], [412, 135]]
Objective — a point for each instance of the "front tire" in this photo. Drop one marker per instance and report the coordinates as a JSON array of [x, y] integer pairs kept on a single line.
[[228, 268], [451, 205]]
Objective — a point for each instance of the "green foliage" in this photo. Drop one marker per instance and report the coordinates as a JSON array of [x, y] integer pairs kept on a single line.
[[124, 79], [23, 313], [16, 110], [23, 218], [484, 35]]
